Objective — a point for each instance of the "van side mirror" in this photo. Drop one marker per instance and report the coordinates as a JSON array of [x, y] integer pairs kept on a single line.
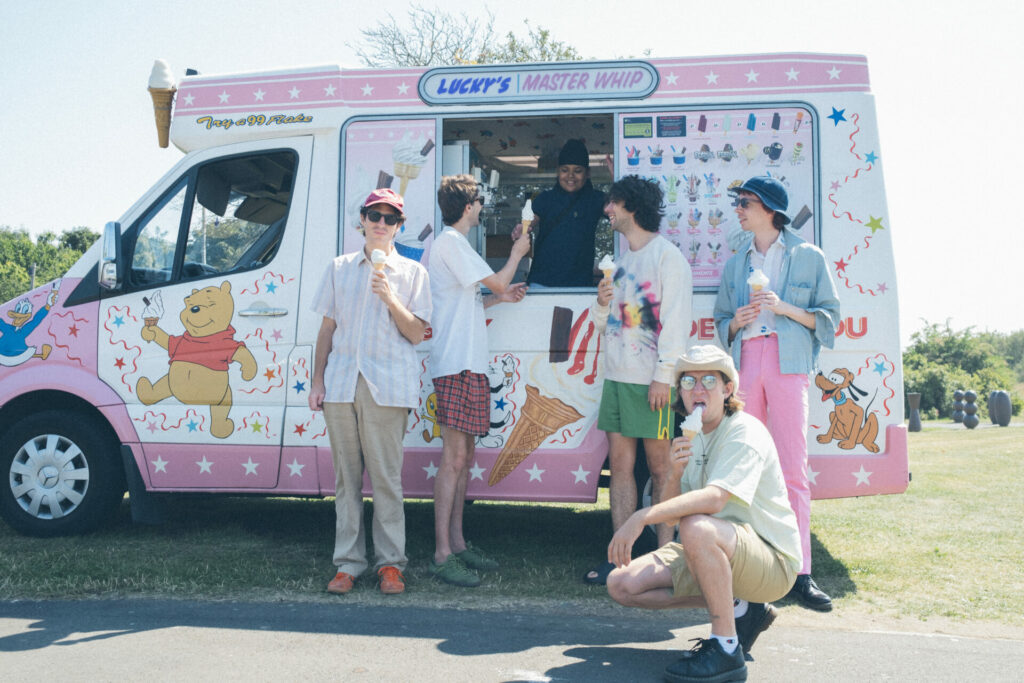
[[110, 257]]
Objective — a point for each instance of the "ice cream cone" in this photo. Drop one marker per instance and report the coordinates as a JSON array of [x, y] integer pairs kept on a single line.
[[150, 321], [163, 98], [541, 417], [526, 226], [405, 173]]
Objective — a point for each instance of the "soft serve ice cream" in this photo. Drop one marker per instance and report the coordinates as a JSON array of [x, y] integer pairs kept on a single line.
[[377, 258], [607, 266], [528, 215], [693, 423], [757, 280], [162, 88]]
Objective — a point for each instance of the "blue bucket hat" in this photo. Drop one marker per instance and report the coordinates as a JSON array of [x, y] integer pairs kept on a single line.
[[770, 191]]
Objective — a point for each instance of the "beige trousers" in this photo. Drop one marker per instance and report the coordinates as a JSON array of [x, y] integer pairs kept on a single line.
[[367, 436]]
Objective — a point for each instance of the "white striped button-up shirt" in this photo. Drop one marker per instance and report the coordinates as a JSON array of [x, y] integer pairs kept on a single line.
[[366, 340]]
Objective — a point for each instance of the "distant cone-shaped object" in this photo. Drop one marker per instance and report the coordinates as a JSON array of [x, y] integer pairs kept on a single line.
[[163, 98], [541, 417]]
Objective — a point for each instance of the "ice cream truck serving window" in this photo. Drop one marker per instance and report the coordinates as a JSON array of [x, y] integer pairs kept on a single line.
[[177, 354]]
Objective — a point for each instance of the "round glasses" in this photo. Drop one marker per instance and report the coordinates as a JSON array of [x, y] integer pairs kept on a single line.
[[688, 382]]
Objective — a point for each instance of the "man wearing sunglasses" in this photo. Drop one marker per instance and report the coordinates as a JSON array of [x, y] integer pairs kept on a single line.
[[775, 334], [739, 545], [458, 366], [643, 311], [366, 380]]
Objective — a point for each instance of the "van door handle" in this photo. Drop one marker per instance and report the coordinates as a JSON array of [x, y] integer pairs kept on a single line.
[[266, 312]]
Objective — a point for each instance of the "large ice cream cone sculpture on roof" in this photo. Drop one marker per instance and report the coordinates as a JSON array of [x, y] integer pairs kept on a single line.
[[162, 89], [540, 418]]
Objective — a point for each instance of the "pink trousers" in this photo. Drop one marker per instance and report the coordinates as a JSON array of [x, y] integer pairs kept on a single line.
[[780, 402]]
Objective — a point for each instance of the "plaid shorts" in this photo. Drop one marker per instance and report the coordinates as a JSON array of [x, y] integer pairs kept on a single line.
[[464, 402]]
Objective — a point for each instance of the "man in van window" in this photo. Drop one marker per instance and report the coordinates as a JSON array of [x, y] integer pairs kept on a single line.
[[458, 366], [643, 309], [739, 545], [376, 308], [567, 217]]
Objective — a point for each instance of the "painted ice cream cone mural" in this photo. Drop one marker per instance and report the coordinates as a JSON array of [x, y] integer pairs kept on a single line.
[[409, 156], [154, 309], [693, 423], [377, 258], [540, 418], [162, 89]]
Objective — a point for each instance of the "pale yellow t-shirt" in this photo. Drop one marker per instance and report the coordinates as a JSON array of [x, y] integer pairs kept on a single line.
[[740, 457]]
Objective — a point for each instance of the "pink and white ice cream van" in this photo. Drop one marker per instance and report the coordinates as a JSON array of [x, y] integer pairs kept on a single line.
[[176, 354]]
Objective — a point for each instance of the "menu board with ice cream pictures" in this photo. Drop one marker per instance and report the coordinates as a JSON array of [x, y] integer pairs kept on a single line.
[[697, 155], [391, 154]]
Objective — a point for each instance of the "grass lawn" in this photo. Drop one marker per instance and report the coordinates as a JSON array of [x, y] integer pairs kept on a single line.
[[950, 547]]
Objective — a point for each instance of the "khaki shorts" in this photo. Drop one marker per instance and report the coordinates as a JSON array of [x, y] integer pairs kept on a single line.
[[760, 573]]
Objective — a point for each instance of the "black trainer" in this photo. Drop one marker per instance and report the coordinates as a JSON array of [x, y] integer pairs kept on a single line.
[[707, 662], [807, 593], [756, 621]]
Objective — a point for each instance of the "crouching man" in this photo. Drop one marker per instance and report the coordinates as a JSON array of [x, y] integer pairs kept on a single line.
[[738, 537]]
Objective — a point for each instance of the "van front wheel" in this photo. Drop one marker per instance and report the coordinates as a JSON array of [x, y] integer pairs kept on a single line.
[[61, 474]]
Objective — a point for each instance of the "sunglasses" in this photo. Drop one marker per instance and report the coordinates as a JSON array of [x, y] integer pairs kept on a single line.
[[744, 202], [389, 218], [688, 382]]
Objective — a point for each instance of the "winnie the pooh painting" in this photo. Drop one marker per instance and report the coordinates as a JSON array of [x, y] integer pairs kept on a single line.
[[199, 359]]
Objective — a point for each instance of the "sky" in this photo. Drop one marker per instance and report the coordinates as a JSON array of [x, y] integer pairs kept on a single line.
[[78, 143]]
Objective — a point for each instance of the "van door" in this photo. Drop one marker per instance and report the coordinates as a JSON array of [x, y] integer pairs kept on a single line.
[[197, 340]]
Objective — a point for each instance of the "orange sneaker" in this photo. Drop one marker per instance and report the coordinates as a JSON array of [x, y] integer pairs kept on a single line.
[[391, 580], [341, 583]]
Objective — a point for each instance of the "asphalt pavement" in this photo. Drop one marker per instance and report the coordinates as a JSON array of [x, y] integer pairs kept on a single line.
[[172, 640]]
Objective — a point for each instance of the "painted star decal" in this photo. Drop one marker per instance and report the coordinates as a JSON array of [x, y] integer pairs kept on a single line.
[[250, 467], [751, 76], [269, 374], [119, 363], [204, 465], [580, 474], [276, 334], [431, 470], [792, 74], [476, 472], [671, 79], [151, 427], [224, 96], [299, 387], [812, 476], [712, 78], [535, 473], [841, 266], [192, 426], [189, 99], [881, 367], [875, 224], [837, 115], [882, 288], [271, 287], [500, 404], [295, 467], [119, 321], [833, 73], [367, 89], [159, 465], [299, 429], [834, 185], [403, 89], [329, 90], [294, 93], [862, 476], [871, 157], [73, 330], [260, 92]]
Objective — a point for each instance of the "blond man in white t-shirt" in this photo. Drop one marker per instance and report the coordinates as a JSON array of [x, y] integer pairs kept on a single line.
[[738, 536]]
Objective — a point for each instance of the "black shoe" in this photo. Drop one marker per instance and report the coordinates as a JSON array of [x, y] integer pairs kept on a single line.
[[756, 621], [707, 662], [807, 593]]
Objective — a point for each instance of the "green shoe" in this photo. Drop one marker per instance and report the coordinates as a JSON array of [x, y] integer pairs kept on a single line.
[[476, 559], [455, 572]]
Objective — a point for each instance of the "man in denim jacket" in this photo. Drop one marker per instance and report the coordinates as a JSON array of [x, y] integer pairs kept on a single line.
[[775, 332]]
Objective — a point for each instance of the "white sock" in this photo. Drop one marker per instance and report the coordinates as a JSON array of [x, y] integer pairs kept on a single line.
[[728, 643], [739, 608]]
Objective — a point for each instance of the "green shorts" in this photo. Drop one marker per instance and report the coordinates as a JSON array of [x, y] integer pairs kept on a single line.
[[625, 410]]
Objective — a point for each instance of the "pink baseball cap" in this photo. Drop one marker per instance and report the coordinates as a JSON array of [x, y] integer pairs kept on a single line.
[[386, 195]]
